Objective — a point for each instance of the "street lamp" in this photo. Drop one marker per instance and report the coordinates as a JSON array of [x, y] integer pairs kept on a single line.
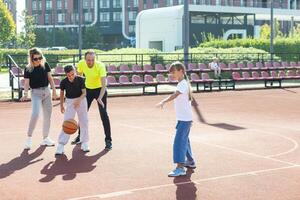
[[185, 32], [272, 31], [79, 28]]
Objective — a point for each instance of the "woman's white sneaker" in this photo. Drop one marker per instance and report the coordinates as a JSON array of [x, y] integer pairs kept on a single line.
[[28, 143], [85, 147], [48, 142]]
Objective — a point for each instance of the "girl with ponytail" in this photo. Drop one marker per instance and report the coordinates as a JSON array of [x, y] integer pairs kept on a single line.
[[182, 153]]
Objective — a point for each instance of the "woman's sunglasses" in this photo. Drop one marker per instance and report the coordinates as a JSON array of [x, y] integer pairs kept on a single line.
[[36, 59]]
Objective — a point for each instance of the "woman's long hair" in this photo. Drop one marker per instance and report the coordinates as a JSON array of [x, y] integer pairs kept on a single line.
[[31, 53], [180, 66]]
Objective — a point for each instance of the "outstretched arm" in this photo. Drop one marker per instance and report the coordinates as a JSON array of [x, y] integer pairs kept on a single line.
[[168, 99]]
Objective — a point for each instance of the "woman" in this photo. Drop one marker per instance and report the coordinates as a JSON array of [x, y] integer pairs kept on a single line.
[[37, 76]]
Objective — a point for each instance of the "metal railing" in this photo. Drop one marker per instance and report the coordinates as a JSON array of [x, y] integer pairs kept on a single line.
[[10, 63], [159, 58]]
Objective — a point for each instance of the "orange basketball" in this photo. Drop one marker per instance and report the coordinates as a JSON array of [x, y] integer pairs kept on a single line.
[[70, 126]]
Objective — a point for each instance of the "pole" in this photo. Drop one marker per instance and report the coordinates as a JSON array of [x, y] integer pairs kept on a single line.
[[79, 28], [272, 31], [54, 24], [185, 32], [292, 26]]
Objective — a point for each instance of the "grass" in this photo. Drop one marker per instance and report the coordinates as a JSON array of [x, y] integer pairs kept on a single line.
[[3, 70]]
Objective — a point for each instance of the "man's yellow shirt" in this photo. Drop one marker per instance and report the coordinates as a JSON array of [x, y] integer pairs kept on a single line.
[[92, 75]]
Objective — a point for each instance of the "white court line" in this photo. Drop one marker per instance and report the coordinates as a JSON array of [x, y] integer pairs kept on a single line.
[[214, 145], [295, 143], [197, 182], [249, 173]]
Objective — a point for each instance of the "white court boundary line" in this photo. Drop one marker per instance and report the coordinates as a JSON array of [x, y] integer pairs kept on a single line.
[[249, 173], [214, 145], [197, 182]]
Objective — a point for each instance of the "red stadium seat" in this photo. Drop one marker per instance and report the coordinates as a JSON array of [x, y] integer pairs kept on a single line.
[[111, 81], [137, 80]]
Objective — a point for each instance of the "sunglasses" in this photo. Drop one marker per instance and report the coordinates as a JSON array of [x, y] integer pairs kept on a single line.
[[36, 59]]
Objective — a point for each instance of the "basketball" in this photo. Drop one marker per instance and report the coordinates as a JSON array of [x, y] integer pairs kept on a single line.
[[70, 126]]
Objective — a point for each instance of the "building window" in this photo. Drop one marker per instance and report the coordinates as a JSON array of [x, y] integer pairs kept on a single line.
[[238, 20], [117, 16], [117, 4], [104, 3], [197, 2], [198, 19], [145, 4], [104, 17], [34, 5], [131, 28], [156, 45], [61, 18], [180, 2], [211, 20], [66, 4], [58, 4], [40, 5], [92, 4], [88, 17], [85, 4], [155, 3], [135, 3], [36, 20], [46, 18], [48, 5], [75, 17], [168, 2], [132, 15]]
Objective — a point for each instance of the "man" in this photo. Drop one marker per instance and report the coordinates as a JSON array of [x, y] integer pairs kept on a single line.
[[95, 83]]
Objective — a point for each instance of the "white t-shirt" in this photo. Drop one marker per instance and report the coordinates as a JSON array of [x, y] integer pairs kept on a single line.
[[214, 65], [182, 103]]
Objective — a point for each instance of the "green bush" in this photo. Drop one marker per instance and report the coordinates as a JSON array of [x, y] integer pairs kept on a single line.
[[285, 48], [226, 55], [132, 56]]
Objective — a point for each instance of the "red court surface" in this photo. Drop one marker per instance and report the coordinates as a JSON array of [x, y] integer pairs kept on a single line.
[[249, 149]]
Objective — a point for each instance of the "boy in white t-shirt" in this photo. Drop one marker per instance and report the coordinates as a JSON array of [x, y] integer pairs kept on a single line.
[[214, 65], [182, 153]]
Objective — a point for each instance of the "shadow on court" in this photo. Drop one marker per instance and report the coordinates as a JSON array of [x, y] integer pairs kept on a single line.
[[24, 160], [186, 189], [79, 163], [225, 126]]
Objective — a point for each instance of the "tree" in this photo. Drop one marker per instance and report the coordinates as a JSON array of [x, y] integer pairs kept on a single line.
[[8, 26], [265, 31], [296, 31], [27, 37], [43, 38], [91, 38]]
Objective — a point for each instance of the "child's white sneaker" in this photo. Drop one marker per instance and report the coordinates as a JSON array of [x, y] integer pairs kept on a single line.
[[47, 142], [28, 143], [177, 172], [60, 149], [85, 147]]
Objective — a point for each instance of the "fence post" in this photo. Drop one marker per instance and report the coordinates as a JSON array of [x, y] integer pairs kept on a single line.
[[136, 59], [8, 65], [142, 59]]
